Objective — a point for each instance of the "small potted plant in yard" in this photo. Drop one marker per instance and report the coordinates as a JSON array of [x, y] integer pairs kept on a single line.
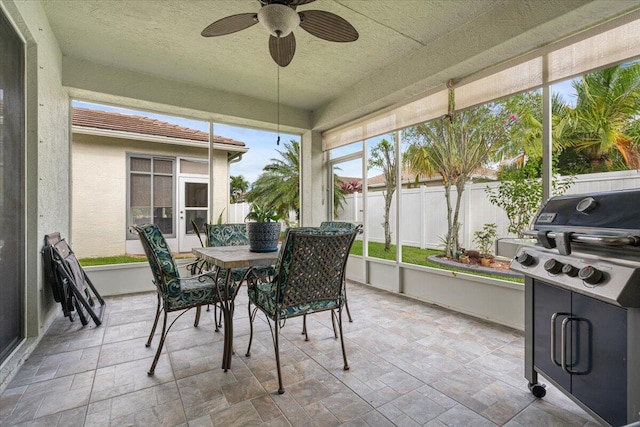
[[264, 230], [485, 239]]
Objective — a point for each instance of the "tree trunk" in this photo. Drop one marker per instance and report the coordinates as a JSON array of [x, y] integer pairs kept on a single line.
[[387, 231], [456, 214], [449, 252]]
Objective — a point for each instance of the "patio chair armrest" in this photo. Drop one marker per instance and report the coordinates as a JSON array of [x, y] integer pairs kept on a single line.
[[196, 267], [261, 274], [211, 274]]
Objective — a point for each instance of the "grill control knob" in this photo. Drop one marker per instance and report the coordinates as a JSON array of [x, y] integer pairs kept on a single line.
[[590, 275], [525, 259], [553, 266], [570, 270]]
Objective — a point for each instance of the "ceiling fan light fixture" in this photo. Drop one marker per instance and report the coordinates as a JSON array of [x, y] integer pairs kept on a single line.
[[280, 20]]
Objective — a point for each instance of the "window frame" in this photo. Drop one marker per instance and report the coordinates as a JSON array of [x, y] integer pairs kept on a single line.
[[151, 173]]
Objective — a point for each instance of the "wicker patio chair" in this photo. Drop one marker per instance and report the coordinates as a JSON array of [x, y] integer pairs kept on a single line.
[[175, 293], [342, 226], [310, 279]]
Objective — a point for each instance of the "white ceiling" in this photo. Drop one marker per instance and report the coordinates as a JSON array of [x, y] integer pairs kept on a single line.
[[406, 47]]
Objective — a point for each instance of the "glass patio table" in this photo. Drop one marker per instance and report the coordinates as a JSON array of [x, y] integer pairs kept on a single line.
[[226, 258]]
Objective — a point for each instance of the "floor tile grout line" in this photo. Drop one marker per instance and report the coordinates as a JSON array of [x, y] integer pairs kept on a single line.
[[338, 379], [175, 381], [450, 397], [95, 372], [508, 347]]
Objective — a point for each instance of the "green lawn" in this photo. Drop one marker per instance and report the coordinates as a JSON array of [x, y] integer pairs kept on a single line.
[[118, 259], [410, 255], [417, 256]]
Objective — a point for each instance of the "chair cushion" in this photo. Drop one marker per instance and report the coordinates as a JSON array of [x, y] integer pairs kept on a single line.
[[159, 247], [227, 234], [191, 291], [338, 224]]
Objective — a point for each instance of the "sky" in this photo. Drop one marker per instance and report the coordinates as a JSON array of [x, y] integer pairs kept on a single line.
[[262, 144]]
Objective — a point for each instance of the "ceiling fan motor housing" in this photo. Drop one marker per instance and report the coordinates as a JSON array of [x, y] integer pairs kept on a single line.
[[279, 20]]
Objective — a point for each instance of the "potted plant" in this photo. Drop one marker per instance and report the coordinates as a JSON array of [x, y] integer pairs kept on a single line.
[[484, 239], [264, 231]]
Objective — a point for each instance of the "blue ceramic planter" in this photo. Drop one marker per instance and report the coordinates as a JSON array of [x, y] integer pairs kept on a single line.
[[263, 236]]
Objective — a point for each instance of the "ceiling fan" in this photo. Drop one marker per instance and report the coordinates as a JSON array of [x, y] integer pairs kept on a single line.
[[280, 18]]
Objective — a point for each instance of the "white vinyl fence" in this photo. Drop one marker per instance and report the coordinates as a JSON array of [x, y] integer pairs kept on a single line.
[[424, 212], [238, 211]]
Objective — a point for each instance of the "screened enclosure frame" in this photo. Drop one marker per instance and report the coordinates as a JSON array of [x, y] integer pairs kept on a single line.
[[609, 44]]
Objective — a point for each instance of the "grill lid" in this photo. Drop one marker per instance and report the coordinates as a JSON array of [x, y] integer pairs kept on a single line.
[[610, 210], [602, 219]]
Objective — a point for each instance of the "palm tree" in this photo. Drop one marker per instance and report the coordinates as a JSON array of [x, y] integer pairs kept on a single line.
[[525, 121], [607, 108], [340, 191], [279, 184], [238, 187]]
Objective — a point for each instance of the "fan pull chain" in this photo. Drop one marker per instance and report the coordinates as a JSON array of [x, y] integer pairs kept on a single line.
[[278, 107]]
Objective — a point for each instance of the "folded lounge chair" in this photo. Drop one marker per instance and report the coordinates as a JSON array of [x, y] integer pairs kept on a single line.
[[69, 283]]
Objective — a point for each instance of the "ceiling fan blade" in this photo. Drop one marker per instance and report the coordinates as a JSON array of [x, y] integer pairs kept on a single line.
[[282, 49], [230, 24], [327, 26], [300, 2]]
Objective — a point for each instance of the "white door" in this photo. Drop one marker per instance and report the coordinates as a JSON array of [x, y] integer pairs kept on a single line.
[[193, 194]]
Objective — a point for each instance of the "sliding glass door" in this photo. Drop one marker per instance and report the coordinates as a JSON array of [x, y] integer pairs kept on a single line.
[[12, 238]]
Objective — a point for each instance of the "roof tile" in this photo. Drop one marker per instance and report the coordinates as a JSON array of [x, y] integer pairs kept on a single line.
[[84, 117]]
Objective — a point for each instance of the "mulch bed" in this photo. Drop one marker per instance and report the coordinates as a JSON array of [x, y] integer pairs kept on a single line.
[[498, 267]]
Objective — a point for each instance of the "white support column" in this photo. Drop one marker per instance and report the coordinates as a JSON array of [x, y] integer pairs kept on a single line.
[[398, 226], [423, 226], [313, 194], [211, 164], [547, 141], [356, 206]]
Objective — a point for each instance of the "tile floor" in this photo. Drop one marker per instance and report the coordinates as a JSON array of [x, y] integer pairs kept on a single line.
[[411, 364]]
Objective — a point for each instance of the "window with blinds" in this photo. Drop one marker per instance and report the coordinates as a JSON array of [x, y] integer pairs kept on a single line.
[[151, 193]]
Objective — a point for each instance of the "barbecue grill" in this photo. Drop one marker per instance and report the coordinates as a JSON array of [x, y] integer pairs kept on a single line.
[[582, 302]]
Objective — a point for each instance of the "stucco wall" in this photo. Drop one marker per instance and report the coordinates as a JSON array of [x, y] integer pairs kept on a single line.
[[47, 163], [220, 185], [47, 129], [313, 194], [100, 188]]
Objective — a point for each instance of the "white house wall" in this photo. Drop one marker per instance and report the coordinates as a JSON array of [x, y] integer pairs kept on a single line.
[[221, 196], [100, 189], [99, 195]]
